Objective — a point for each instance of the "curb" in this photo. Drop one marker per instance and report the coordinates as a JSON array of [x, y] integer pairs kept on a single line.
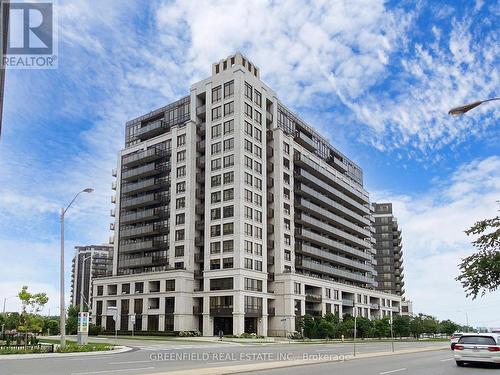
[[226, 370], [118, 350]]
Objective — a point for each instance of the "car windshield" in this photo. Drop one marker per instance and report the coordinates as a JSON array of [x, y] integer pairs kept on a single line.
[[477, 340]]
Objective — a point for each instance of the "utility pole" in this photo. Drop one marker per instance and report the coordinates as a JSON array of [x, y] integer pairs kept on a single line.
[[355, 328]]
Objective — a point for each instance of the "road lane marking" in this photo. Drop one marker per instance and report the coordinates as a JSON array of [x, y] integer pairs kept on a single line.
[[105, 371], [447, 359], [392, 371], [126, 363]]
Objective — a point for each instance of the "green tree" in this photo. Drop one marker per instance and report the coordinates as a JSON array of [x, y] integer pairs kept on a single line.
[[448, 327], [72, 321], [51, 325], [31, 304], [480, 272], [382, 327], [417, 326], [401, 325], [364, 327]]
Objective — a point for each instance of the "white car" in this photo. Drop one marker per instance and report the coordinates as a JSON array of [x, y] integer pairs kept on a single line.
[[482, 347]]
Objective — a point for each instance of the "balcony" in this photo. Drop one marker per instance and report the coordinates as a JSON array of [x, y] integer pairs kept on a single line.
[[200, 146], [271, 311], [145, 200], [114, 172], [142, 157], [149, 214], [200, 178], [143, 246], [111, 226], [113, 199], [111, 240], [270, 277], [199, 225], [198, 274], [269, 117], [200, 193], [201, 128], [145, 171], [146, 185], [197, 310], [305, 141], [112, 212], [199, 257], [314, 313], [142, 262], [113, 185], [348, 302], [314, 298], [200, 162], [201, 111], [270, 260], [374, 306], [144, 230], [333, 271], [221, 311], [199, 209], [199, 241], [251, 311], [152, 130], [323, 254], [270, 244], [270, 229]]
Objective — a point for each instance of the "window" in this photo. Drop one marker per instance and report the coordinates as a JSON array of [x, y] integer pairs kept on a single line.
[[215, 197], [181, 171], [228, 177], [180, 203], [286, 163], [328, 293], [228, 246], [258, 167], [215, 248], [216, 113], [248, 213], [248, 247], [179, 235], [258, 117], [248, 179], [214, 264], [258, 216], [248, 263], [228, 194], [288, 240], [216, 131], [286, 178], [286, 193], [216, 164], [258, 151], [216, 148], [286, 208], [180, 219], [248, 91], [288, 255], [258, 265], [248, 128], [228, 228], [258, 200], [248, 146], [248, 195], [253, 284], [227, 263], [258, 249], [258, 183], [221, 284], [258, 232], [181, 140], [248, 110], [286, 148], [296, 288], [126, 288], [229, 144], [215, 230], [100, 290], [179, 251], [248, 229], [287, 224], [215, 213], [180, 187], [216, 94], [228, 127], [216, 180], [248, 162], [228, 211], [258, 134], [228, 108], [170, 285], [228, 89], [181, 156], [258, 98], [228, 161]]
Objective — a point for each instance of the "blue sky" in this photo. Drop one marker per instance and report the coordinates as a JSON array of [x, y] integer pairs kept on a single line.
[[375, 77]]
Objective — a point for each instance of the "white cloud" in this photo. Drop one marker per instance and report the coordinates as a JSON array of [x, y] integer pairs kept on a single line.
[[434, 241]]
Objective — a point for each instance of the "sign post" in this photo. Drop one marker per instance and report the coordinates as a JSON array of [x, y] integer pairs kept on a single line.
[[132, 320], [83, 328], [113, 311]]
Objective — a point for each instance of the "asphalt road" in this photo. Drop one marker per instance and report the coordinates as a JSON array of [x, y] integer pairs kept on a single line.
[[149, 357]]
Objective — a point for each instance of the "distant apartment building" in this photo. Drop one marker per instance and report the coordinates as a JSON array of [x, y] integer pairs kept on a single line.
[[93, 261], [4, 17], [389, 250], [406, 307], [233, 214]]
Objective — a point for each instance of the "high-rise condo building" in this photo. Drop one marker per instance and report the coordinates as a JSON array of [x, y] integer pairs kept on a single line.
[[232, 214], [389, 249], [93, 261]]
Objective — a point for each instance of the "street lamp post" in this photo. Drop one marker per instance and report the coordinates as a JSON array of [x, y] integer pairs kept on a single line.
[[458, 111], [62, 321], [355, 329], [82, 336]]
